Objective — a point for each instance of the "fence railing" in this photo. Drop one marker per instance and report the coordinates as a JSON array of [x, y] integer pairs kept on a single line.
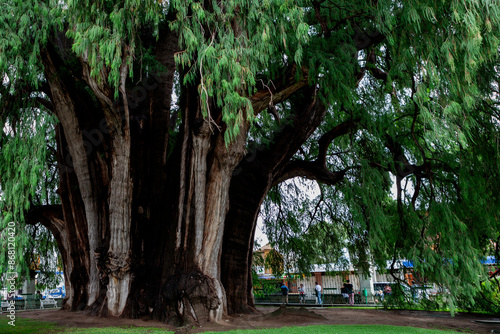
[[30, 304], [327, 298]]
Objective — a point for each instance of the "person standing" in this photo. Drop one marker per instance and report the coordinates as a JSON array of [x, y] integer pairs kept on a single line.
[[387, 291], [302, 294], [414, 292], [284, 292], [318, 293], [350, 292], [344, 294]]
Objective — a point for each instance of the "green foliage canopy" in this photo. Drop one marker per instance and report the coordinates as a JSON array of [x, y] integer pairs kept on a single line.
[[418, 78], [422, 163]]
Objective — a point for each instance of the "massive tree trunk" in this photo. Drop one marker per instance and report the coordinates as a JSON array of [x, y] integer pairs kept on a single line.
[[145, 222], [142, 220], [256, 174], [191, 286], [250, 183], [154, 224]]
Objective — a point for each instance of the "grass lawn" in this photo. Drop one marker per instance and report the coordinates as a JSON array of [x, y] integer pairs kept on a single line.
[[340, 329], [378, 307], [26, 326]]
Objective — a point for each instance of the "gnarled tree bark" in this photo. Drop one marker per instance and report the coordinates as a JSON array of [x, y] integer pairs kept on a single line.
[[159, 224]]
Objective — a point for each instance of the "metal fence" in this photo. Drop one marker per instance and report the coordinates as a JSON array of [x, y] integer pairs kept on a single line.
[[31, 304], [330, 296], [327, 298]]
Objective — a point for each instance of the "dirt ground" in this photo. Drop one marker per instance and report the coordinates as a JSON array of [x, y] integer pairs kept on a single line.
[[275, 317]]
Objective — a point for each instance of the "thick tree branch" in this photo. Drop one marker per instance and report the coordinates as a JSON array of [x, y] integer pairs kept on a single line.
[[104, 94], [324, 26], [317, 170], [46, 103], [281, 89], [325, 140], [311, 170], [363, 40], [250, 183], [50, 216], [403, 166], [377, 73], [23, 92]]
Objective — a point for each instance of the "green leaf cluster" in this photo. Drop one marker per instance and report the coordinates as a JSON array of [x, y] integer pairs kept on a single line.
[[107, 34], [27, 180], [228, 48], [428, 126]]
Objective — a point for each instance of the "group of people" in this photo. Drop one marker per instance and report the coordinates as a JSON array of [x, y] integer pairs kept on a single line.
[[302, 293], [383, 294], [347, 291]]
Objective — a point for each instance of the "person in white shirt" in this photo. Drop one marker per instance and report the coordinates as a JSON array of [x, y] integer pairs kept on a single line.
[[318, 293]]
